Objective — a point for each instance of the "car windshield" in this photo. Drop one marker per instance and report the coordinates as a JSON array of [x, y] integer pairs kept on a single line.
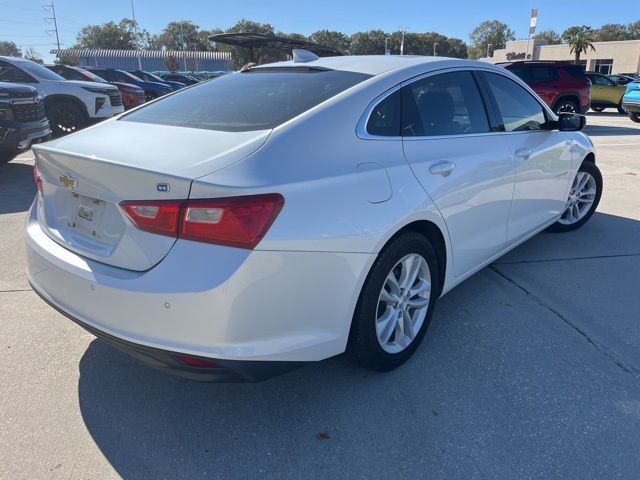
[[150, 77], [257, 99], [38, 70]]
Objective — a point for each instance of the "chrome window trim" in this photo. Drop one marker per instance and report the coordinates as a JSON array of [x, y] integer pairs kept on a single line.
[[361, 127]]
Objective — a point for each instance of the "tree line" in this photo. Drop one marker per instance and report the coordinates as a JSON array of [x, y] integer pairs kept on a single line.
[[178, 35]]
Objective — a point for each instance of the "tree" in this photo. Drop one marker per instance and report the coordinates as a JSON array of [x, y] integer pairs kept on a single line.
[[551, 36], [490, 32], [9, 49], [579, 39], [31, 54], [611, 32], [367, 43], [634, 30], [110, 35], [66, 59], [332, 39], [181, 35], [172, 64]]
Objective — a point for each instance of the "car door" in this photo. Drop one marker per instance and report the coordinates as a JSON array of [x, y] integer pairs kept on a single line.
[[542, 156], [464, 167]]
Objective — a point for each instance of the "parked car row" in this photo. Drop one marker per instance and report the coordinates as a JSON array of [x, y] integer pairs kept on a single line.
[[566, 87]]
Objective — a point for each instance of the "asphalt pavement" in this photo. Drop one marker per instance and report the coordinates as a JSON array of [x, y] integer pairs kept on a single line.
[[531, 368]]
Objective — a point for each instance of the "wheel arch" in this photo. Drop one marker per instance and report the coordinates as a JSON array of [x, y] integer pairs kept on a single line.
[[566, 96], [589, 157], [59, 97]]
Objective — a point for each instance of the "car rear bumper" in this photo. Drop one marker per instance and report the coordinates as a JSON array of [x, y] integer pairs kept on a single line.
[[220, 303]]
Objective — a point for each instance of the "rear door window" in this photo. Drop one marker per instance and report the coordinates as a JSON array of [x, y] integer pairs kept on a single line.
[[519, 110], [256, 99], [445, 104]]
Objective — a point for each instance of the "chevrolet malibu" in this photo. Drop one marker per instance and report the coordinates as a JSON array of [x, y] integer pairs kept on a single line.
[[294, 211]]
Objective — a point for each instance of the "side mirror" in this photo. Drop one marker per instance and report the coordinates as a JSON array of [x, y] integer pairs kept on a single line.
[[571, 122]]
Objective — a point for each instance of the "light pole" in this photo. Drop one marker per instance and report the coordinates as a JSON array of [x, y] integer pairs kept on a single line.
[[135, 32], [402, 29], [435, 53], [488, 45], [386, 46]]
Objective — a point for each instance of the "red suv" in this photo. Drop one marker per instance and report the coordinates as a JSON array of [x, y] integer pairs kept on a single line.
[[562, 85]]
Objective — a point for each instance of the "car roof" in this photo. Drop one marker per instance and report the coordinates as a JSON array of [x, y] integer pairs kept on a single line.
[[375, 64]]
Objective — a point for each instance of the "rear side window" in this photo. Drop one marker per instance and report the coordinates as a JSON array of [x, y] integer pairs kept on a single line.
[[445, 104], [256, 99], [385, 118], [543, 74], [517, 107], [574, 70], [9, 73]]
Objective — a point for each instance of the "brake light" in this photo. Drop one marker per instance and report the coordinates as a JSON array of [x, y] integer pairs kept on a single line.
[[196, 362], [37, 178], [156, 216], [235, 221]]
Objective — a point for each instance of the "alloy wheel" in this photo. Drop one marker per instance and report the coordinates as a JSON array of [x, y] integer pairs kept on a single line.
[[567, 107], [581, 198], [403, 303]]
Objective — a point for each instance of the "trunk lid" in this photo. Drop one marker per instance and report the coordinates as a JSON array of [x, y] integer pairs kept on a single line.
[[85, 176]]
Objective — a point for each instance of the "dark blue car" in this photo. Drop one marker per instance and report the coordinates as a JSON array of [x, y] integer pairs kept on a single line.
[[151, 89], [150, 77]]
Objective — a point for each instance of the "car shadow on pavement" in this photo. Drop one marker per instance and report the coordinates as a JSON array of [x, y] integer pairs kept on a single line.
[[611, 130], [17, 188], [503, 386]]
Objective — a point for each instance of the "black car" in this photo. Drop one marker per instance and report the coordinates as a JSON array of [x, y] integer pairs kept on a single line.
[[22, 119], [178, 77]]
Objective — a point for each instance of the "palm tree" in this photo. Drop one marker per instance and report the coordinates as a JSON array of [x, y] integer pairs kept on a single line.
[[580, 39]]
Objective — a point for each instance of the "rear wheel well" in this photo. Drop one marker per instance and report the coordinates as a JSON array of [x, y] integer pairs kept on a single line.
[[571, 97], [431, 231], [590, 158]]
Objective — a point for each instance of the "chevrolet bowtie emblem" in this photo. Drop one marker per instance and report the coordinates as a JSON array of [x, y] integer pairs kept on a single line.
[[68, 181]]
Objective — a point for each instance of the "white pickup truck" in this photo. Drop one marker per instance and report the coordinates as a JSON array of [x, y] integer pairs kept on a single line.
[[69, 104]]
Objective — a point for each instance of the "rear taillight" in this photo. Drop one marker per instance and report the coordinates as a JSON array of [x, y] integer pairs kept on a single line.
[[155, 216], [37, 178], [234, 221]]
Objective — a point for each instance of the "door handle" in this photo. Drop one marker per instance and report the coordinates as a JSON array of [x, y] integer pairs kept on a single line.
[[443, 168], [523, 153]]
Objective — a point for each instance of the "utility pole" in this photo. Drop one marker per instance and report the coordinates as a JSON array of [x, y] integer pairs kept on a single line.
[[435, 52], [135, 32], [184, 57], [488, 45], [52, 21]]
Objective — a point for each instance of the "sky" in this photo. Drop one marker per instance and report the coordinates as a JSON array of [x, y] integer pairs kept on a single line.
[[22, 21]]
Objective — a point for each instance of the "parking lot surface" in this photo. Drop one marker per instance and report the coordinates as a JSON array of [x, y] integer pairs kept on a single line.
[[531, 368]]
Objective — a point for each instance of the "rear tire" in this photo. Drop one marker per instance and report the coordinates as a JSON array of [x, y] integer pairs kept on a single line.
[[597, 109], [566, 105], [583, 200], [65, 117], [396, 303], [634, 116]]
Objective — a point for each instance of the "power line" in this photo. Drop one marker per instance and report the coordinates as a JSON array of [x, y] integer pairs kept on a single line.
[[49, 8]]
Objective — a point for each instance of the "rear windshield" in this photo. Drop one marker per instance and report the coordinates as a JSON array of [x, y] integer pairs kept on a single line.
[[257, 99]]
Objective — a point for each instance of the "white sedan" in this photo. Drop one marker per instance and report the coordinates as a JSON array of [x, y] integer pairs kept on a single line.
[[292, 211]]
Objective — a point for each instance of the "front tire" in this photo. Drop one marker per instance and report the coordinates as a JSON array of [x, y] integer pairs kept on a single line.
[[634, 116], [65, 117], [583, 200], [396, 303]]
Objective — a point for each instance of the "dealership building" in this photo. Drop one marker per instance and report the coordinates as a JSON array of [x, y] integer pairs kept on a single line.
[[608, 57]]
